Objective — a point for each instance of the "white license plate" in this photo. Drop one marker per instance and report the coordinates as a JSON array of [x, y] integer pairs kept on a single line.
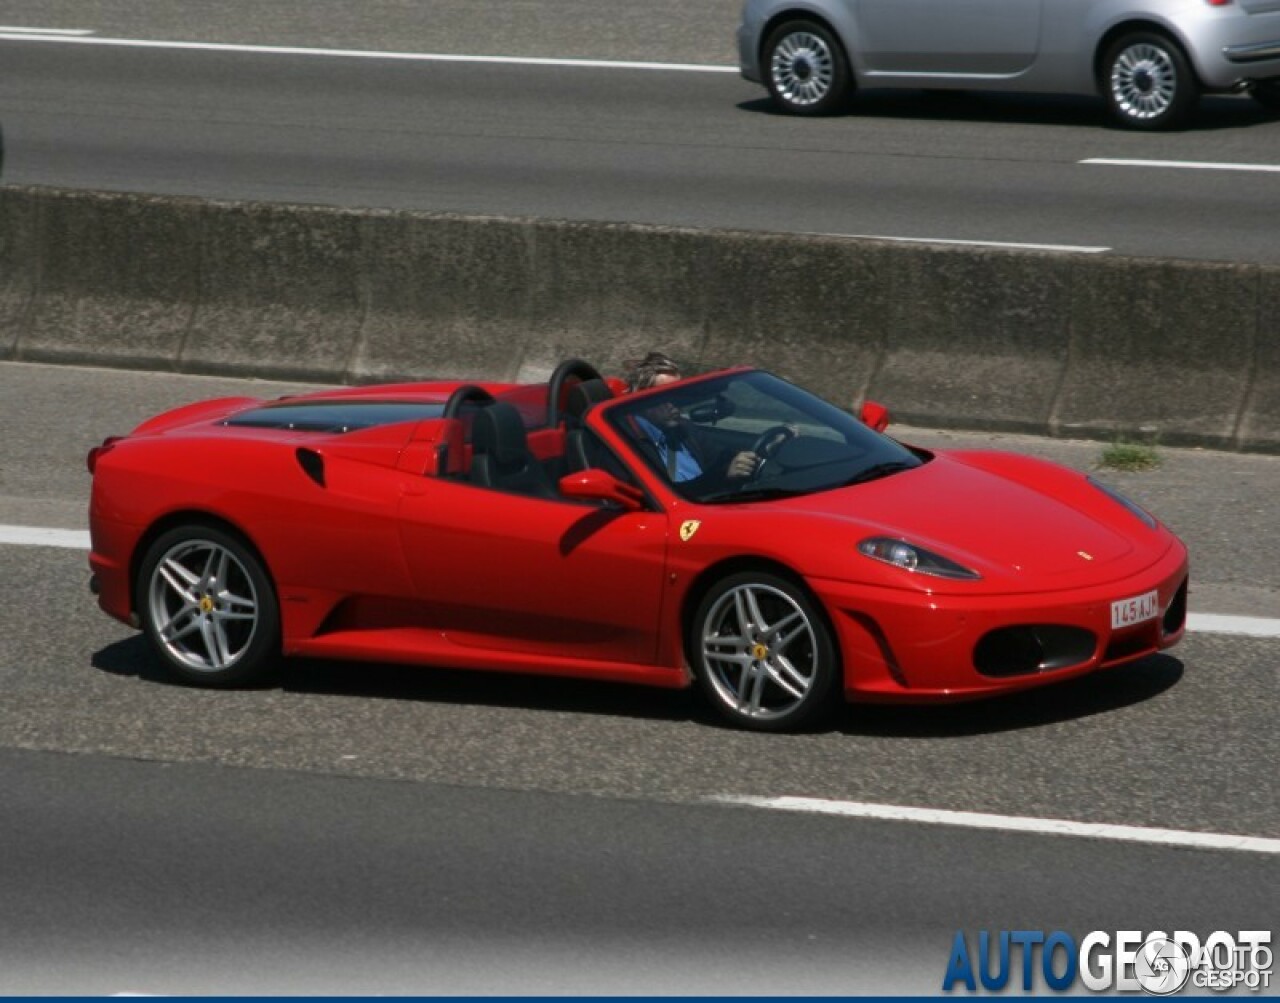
[[1127, 612]]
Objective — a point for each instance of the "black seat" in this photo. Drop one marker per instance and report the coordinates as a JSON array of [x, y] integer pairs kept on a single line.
[[581, 397], [500, 456]]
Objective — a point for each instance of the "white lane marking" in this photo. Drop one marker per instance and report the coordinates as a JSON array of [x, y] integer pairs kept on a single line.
[[1190, 165], [1010, 823], [10, 35], [1245, 626], [35, 536], [6, 29], [1068, 248], [1198, 623]]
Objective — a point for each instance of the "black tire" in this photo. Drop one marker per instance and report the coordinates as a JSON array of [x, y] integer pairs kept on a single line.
[[1267, 94], [1148, 82], [763, 653], [208, 607], [806, 69]]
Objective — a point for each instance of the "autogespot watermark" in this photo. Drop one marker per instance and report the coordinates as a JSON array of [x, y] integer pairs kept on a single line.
[[1156, 963]]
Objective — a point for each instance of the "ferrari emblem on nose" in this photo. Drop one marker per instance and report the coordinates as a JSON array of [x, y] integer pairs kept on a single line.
[[688, 528]]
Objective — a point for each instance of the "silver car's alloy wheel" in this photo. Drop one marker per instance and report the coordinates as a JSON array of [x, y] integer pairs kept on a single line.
[[803, 68], [760, 651], [1144, 81], [203, 605]]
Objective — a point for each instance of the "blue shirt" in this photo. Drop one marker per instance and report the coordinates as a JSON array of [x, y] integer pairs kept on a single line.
[[687, 465]]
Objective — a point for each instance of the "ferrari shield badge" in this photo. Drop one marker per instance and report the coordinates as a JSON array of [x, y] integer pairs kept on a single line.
[[688, 528]]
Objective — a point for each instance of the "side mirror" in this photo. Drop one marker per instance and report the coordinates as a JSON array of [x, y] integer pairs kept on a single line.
[[874, 416], [600, 485]]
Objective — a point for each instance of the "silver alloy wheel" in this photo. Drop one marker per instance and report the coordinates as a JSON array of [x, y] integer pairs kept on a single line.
[[760, 651], [203, 605], [803, 68], [1144, 81]]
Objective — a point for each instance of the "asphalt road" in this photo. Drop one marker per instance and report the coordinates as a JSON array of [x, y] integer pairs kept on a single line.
[[668, 147], [1182, 741], [684, 31], [192, 879], [364, 828]]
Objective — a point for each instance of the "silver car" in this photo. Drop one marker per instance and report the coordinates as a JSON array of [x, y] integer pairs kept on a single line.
[[1149, 59]]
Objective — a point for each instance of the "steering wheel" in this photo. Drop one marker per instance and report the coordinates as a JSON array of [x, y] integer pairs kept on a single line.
[[569, 368], [468, 393], [765, 445]]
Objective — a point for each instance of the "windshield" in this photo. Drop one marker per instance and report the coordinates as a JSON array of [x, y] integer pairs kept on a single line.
[[694, 434]]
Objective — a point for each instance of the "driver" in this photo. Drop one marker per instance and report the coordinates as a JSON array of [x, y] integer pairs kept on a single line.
[[680, 451]]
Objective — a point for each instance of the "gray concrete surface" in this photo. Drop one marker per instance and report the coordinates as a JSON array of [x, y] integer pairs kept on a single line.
[[950, 336]]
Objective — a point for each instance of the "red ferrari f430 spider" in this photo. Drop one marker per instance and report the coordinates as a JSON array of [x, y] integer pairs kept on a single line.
[[568, 528]]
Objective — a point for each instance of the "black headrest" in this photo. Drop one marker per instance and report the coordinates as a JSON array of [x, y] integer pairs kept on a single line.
[[499, 431], [583, 395]]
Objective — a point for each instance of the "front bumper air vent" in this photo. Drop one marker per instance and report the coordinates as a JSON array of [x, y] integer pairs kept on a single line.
[[1030, 648]]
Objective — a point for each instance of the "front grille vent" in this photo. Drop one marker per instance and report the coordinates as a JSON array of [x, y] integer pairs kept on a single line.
[[1030, 648]]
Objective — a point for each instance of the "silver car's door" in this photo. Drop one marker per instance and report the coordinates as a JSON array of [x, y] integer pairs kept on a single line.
[[947, 37]]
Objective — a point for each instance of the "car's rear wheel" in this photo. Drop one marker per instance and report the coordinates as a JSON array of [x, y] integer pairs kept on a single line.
[[208, 607], [763, 652], [1148, 82], [1267, 94], [806, 69]]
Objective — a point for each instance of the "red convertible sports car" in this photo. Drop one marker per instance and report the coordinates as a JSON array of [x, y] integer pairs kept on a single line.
[[570, 528]]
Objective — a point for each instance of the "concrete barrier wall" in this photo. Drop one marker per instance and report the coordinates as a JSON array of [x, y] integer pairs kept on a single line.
[[1181, 352]]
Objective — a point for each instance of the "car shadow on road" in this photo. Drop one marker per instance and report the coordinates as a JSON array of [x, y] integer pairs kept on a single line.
[[430, 684], [1098, 693], [1213, 112]]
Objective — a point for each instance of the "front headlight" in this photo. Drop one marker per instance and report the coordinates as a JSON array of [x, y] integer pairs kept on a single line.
[[1147, 518], [909, 557]]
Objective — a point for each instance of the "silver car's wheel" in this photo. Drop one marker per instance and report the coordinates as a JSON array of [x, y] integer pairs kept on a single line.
[[1148, 82], [806, 69], [207, 606], [763, 652]]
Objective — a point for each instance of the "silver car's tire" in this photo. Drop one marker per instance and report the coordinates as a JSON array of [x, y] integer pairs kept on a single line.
[[207, 606], [1148, 82], [1267, 94], [763, 653], [806, 69]]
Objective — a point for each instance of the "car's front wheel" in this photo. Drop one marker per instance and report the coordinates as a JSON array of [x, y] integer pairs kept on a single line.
[[1148, 82], [763, 653], [806, 69], [208, 607], [1267, 94]]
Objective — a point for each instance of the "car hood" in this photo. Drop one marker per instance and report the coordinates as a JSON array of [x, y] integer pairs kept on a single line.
[[990, 521]]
